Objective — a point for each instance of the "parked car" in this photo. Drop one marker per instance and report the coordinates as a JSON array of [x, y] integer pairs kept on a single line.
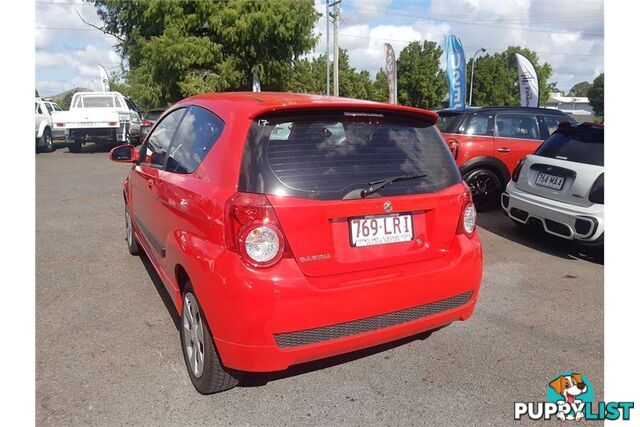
[[45, 131], [290, 227], [99, 117], [149, 120], [561, 186], [488, 142]]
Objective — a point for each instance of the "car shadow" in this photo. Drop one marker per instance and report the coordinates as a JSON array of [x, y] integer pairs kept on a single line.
[[257, 379], [91, 148], [162, 291], [497, 222]]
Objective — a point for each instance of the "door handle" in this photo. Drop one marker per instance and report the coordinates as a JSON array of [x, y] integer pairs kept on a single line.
[[504, 150]]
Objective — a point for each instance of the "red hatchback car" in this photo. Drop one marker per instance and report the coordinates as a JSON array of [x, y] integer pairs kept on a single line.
[[289, 228]]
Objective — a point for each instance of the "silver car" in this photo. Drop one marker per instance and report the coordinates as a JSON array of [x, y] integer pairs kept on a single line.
[[561, 185]]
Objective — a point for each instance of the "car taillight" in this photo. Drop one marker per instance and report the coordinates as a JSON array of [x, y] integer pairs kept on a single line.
[[253, 231], [453, 146], [59, 125], [467, 223], [112, 123], [596, 195], [146, 123], [516, 171]]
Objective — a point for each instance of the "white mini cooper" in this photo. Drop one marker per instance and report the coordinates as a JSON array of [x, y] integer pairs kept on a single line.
[[561, 185]]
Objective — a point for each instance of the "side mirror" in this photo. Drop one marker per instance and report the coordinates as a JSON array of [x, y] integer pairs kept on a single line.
[[124, 154]]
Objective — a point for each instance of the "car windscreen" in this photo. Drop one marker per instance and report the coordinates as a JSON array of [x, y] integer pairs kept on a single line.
[[97, 101], [576, 145], [449, 122], [333, 156], [153, 115]]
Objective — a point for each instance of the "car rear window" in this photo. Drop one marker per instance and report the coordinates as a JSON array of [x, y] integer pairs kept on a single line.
[[153, 114], [332, 156], [584, 145], [449, 122], [90, 101]]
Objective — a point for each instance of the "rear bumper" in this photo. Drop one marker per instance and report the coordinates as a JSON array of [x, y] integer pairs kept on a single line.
[[269, 322], [570, 222], [102, 135]]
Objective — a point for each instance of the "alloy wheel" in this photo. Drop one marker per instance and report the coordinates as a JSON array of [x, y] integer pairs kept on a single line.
[[193, 335], [128, 227], [485, 188]]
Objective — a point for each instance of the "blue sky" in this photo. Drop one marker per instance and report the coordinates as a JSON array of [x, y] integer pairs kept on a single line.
[[568, 34]]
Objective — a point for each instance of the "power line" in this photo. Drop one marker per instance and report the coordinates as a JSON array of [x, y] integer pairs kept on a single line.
[[486, 24], [472, 47]]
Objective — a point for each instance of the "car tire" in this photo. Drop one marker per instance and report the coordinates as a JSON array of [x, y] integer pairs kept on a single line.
[[74, 147], [205, 368], [130, 235], [486, 188], [47, 141]]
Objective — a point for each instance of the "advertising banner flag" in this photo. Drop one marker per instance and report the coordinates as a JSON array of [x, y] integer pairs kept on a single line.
[[456, 71], [528, 79], [104, 79], [392, 72]]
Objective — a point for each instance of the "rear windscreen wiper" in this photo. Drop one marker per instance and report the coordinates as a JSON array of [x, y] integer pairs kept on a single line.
[[374, 186]]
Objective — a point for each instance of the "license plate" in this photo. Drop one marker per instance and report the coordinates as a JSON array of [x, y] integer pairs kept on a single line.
[[381, 230], [88, 125], [550, 181]]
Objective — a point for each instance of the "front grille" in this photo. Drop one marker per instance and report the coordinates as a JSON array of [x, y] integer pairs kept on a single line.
[[332, 332], [558, 227]]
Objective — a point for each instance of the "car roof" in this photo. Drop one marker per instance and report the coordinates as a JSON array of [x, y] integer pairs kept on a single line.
[[253, 104], [539, 110]]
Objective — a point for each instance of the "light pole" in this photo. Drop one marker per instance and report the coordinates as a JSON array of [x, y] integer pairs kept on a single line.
[[473, 65], [327, 16]]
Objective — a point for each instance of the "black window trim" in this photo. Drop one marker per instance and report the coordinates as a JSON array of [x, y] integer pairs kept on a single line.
[[143, 147], [534, 115], [187, 109]]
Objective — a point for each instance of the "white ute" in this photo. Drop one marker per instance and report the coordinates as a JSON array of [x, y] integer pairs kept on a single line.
[[99, 117], [561, 185], [45, 131]]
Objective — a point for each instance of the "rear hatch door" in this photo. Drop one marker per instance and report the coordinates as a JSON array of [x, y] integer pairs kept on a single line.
[[566, 166], [313, 167]]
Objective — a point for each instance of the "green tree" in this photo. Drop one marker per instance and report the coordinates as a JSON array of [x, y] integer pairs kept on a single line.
[[596, 95], [380, 87], [310, 76], [177, 48], [495, 80], [580, 89], [421, 81]]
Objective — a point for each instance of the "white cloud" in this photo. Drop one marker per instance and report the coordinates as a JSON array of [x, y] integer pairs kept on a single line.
[[67, 50], [565, 33], [372, 8]]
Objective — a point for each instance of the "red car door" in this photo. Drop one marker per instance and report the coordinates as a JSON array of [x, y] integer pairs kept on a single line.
[[146, 181], [474, 138], [186, 199], [516, 135]]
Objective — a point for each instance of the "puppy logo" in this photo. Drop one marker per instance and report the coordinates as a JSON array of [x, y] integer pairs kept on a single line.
[[570, 386]]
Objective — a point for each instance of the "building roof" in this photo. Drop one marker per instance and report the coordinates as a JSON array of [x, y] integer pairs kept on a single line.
[[557, 97]]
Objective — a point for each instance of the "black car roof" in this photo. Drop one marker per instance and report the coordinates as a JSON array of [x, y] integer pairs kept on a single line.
[[537, 110]]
